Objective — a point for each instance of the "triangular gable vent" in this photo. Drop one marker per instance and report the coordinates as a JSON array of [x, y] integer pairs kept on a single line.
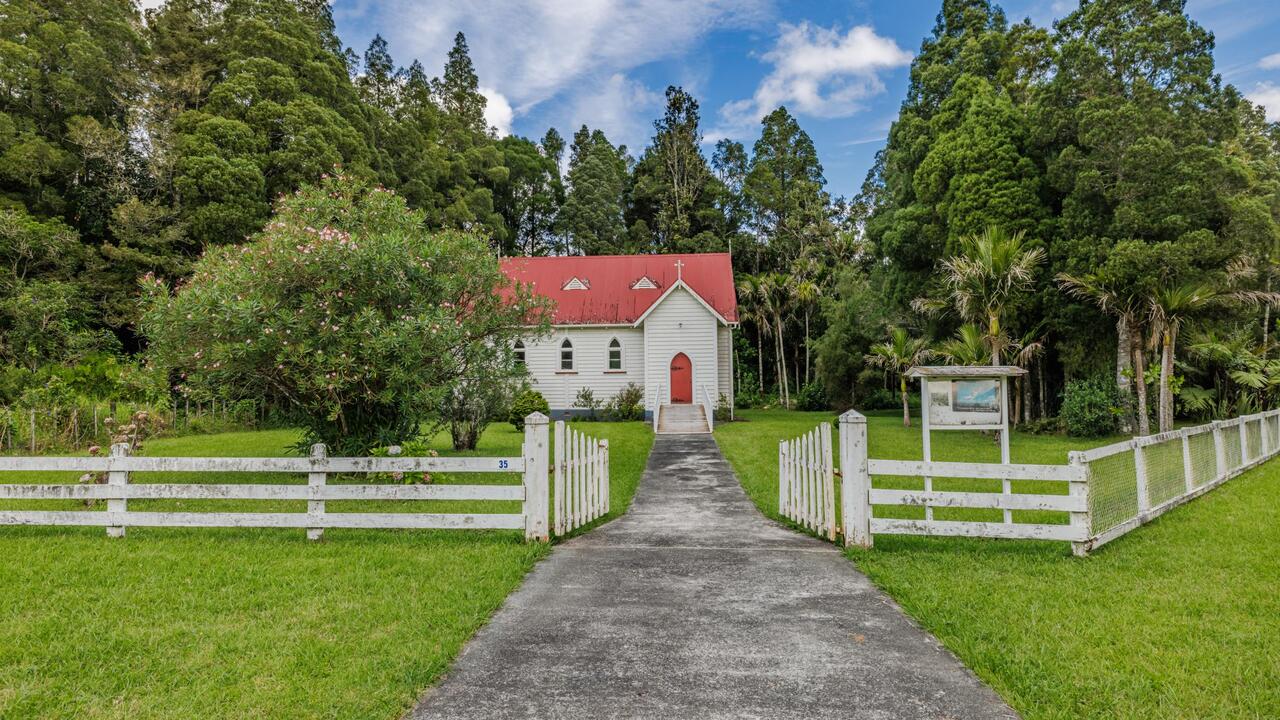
[[575, 284], [644, 283]]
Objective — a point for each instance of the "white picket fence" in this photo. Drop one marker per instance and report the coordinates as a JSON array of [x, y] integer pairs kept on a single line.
[[581, 478], [1109, 491], [806, 481], [532, 493]]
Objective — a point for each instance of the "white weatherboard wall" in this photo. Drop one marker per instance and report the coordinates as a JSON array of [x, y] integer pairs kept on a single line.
[[724, 343], [591, 363], [680, 323]]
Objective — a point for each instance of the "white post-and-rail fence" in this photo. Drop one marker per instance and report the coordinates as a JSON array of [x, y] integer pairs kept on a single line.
[[1109, 490], [533, 493], [806, 481], [1133, 482], [581, 478]]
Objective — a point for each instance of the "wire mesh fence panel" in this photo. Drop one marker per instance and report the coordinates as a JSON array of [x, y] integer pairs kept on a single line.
[[1253, 431], [1231, 446], [1166, 478], [1204, 459], [1113, 491]]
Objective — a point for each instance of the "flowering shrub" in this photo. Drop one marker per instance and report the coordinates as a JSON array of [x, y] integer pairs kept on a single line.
[[345, 312]]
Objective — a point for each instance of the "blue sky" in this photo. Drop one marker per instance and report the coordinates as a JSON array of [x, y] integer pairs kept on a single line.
[[841, 67]]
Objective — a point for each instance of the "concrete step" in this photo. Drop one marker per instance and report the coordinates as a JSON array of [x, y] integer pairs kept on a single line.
[[682, 420]]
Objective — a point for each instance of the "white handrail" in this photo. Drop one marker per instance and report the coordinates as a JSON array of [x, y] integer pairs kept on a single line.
[[711, 408], [657, 405]]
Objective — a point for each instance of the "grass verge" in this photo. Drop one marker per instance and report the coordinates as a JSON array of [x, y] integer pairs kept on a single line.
[[244, 623], [1180, 618]]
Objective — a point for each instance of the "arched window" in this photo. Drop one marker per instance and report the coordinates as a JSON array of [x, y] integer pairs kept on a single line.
[[615, 354], [566, 355], [519, 352]]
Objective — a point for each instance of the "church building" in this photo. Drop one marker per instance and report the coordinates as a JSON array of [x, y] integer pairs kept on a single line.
[[662, 322]]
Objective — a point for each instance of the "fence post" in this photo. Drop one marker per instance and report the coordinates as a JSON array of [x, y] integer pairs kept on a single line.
[[119, 478], [1242, 426], [608, 486], [536, 485], [1080, 520], [1140, 473], [783, 486], [1219, 451], [559, 514], [855, 483], [315, 508], [1188, 470]]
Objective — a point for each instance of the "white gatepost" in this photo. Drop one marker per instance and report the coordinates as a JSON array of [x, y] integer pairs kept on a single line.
[[855, 482], [315, 508], [117, 477], [537, 484]]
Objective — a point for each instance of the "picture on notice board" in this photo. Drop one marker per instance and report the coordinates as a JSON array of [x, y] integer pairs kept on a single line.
[[975, 396]]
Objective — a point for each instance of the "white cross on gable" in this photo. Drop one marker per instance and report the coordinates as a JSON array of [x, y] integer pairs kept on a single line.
[[679, 270]]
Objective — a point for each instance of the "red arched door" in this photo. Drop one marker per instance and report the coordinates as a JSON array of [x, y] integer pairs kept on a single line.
[[681, 379]]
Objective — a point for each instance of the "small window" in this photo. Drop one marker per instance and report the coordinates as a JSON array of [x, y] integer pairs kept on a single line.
[[519, 352], [566, 355], [615, 354]]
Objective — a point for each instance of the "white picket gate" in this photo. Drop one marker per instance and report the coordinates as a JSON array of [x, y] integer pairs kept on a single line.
[[806, 486], [581, 478]]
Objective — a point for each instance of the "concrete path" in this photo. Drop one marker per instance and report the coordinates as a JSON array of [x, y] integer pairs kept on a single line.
[[694, 605]]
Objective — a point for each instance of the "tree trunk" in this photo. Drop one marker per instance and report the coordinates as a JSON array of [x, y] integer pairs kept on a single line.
[[806, 346], [1124, 369], [1140, 384], [1166, 379], [782, 363], [906, 409], [760, 358], [1019, 387], [993, 331], [1026, 396], [1044, 406], [1266, 321]]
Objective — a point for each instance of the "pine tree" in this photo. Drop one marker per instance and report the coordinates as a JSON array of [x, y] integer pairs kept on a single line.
[[592, 215], [458, 90]]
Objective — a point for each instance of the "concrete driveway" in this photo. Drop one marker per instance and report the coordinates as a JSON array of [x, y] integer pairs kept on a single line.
[[694, 605]]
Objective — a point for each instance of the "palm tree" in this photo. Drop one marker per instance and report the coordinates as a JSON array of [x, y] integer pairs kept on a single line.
[[806, 293], [1128, 307], [752, 311], [993, 268], [766, 302], [1172, 305], [898, 355], [967, 347], [1027, 349]]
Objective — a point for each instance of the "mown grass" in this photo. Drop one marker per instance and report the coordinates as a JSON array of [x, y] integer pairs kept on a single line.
[[256, 623], [1178, 619]]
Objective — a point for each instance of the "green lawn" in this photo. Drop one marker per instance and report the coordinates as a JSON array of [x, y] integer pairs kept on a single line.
[[182, 623], [1178, 619]]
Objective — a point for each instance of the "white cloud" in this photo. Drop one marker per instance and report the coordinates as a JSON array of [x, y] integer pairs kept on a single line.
[[1270, 62], [819, 72], [620, 106], [529, 51], [1267, 94], [497, 111]]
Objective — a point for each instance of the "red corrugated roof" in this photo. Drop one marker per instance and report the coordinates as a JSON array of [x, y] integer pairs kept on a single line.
[[609, 298]]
